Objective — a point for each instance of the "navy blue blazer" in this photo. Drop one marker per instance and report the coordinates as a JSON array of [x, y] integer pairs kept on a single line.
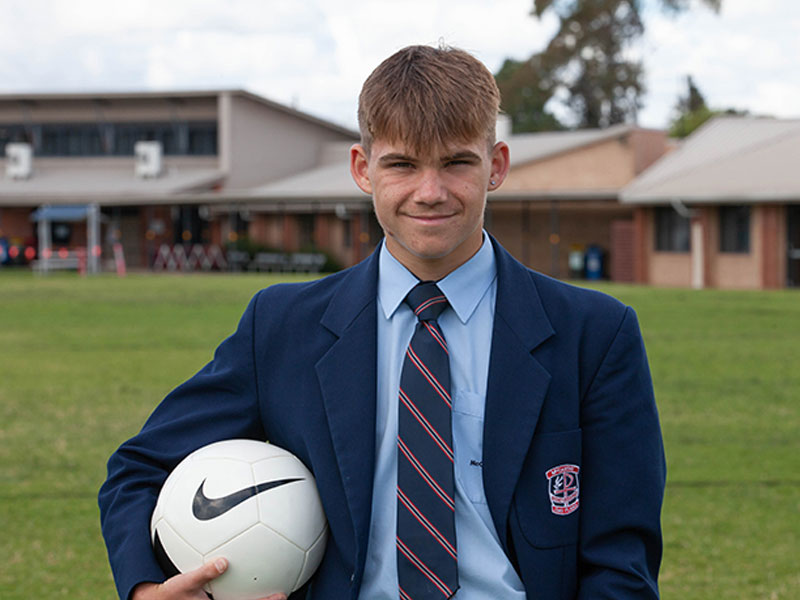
[[569, 386]]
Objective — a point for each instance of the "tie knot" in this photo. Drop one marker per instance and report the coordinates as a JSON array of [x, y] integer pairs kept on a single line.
[[427, 301]]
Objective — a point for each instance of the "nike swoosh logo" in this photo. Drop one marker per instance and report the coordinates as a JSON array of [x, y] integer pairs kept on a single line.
[[205, 508]]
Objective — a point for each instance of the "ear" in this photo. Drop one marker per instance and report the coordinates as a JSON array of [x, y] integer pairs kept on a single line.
[[501, 163], [359, 168]]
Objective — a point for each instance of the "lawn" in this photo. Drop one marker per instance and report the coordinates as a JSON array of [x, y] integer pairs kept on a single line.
[[83, 361]]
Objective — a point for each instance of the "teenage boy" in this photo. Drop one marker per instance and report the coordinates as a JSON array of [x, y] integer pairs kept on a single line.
[[487, 433]]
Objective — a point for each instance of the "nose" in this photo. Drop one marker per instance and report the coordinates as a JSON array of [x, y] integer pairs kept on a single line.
[[430, 188]]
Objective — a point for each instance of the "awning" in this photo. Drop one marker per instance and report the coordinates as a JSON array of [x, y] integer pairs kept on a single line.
[[60, 214]]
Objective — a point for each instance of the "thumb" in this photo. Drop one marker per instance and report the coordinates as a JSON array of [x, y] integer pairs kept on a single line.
[[201, 576]]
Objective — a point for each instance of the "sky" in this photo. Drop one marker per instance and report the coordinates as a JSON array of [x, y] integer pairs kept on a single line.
[[315, 54]]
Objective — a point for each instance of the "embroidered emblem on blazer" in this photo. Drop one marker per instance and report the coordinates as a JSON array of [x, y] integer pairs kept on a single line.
[[564, 489]]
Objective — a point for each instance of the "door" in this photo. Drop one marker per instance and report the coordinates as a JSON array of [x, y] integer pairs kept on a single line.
[[793, 239]]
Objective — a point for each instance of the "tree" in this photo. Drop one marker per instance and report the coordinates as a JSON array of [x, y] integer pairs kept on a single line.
[[525, 89], [588, 58], [692, 111]]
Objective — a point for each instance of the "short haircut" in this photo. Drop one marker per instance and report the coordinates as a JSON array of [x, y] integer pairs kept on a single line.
[[426, 97]]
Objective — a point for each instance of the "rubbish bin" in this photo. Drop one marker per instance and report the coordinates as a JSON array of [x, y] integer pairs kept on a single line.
[[576, 262], [594, 262]]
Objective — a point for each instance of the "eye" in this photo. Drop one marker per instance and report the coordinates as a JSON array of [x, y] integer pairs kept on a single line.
[[400, 165], [458, 162]]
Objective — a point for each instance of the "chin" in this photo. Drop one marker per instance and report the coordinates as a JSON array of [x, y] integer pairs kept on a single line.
[[430, 251]]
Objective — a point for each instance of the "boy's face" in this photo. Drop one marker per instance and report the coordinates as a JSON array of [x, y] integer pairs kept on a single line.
[[430, 206]]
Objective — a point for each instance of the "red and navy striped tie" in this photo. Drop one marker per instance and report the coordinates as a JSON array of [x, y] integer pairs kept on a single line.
[[427, 562]]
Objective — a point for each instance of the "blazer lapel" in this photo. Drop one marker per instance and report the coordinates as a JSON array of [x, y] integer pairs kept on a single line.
[[517, 384], [347, 377]]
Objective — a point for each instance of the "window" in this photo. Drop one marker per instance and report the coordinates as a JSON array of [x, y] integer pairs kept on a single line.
[[70, 140], [178, 138], [202, 139], [305, 232], [734, 229], [672, 230], [13, 133]]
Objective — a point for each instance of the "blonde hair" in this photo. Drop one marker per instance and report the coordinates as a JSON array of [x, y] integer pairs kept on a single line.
[[426, 97]]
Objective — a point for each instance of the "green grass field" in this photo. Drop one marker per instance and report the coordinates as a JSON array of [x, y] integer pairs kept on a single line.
[[84, 361]]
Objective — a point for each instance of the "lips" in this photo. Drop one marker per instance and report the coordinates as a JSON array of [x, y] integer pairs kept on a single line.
[[431, 218]]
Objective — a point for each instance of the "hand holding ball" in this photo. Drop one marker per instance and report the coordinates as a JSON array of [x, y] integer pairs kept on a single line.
[[250, 502]]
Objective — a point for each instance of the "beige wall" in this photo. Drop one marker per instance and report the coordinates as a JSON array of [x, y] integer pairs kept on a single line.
[[735, 270], [672, 269], [114, 162], [669, 269], [609, 164], [725, 270], [648, 146], [260, 144]]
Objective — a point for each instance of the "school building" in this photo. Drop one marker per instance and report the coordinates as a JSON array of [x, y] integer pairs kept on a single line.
[[155, 165], [722, 210], [267, 184]]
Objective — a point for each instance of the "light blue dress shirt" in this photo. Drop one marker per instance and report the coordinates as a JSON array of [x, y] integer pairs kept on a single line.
[[483, 569]]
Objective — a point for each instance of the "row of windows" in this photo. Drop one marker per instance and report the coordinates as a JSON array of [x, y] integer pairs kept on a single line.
[[182, 138], [672, 230]]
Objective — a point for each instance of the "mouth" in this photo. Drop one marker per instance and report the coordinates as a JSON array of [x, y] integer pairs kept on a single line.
[[432, 219]]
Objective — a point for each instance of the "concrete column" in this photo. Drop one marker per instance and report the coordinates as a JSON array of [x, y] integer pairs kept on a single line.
[[93, 238], [44, 243], [698, 254], [225, 131]]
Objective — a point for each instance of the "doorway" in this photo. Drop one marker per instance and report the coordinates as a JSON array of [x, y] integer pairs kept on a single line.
[[793, 245]]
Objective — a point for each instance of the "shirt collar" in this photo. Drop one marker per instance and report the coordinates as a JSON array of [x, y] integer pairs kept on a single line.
[[464, 287]]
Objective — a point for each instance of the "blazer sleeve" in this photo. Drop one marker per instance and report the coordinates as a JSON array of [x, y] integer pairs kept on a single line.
[[219, 402], [623, 475]]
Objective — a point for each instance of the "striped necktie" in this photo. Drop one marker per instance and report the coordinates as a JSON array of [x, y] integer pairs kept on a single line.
[[426, 537]]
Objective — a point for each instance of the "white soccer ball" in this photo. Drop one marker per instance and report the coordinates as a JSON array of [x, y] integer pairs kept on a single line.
[[248, 501]]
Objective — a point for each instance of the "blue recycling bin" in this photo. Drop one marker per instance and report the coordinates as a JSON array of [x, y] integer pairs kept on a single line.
[[4, 257], [594, 262]]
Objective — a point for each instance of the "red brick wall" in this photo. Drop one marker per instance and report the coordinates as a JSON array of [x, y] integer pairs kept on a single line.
[[621, 266], [15, 224]]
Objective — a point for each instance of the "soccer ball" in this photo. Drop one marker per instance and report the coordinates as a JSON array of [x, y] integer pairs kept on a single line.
[[248, 501]]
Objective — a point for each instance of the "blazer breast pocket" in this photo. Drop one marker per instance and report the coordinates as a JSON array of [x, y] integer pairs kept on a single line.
[[547, 499]]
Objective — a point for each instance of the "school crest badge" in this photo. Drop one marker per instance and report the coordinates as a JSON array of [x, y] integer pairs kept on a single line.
[[564, 489]]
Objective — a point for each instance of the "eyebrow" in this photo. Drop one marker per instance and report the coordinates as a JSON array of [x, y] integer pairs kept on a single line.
[[395, 156], [464, 154], [399, 156]]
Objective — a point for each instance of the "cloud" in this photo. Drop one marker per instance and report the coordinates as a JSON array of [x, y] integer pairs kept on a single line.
[[750, 46], [317, 53]]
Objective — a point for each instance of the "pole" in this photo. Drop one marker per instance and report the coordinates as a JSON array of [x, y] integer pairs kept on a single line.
[[93, 238]]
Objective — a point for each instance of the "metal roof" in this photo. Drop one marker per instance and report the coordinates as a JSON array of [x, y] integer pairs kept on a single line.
[[332, 181], [107, 186], [328, 181], [727, 160], [528, 147], [101, 96]]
